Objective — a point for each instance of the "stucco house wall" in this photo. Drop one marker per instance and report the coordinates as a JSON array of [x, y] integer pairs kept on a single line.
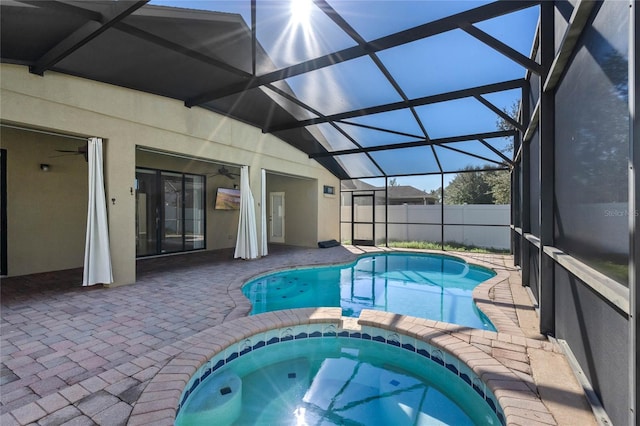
[[126, 119]]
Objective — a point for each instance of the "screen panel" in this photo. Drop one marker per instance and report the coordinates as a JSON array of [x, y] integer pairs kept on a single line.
[[592, 147], [534, 186], [534, 270], [598, 337]]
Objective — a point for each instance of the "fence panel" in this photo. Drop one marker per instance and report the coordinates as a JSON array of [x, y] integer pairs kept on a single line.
[[480, 225]]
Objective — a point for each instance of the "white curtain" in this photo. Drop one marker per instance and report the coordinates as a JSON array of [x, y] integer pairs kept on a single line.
[[97, 257], [263, 205], [247, 242]]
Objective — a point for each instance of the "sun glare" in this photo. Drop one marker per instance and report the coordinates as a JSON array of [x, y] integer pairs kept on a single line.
[[300, 11]]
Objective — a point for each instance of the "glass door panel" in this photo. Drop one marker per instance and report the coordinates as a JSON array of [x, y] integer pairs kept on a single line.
[[194, 223], [172, 213], [147, 212], [276, 218]]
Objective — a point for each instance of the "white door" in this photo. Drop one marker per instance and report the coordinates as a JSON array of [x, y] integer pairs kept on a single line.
[[276, 217]]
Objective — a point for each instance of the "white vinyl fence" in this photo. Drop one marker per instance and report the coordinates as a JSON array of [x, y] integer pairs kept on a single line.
[[480, 225]]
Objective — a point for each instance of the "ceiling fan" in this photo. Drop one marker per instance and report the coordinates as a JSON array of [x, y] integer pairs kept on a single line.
[[223, 171], [81, 150]]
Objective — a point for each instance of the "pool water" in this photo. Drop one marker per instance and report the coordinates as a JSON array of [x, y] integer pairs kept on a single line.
[[431, 286], [334, 382]]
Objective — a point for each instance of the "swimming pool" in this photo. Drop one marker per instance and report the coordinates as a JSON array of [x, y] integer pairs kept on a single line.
[[322, 374], [431, 286]]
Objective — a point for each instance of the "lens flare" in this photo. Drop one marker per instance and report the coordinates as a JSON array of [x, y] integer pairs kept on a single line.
[[300, 416], [300, 11]]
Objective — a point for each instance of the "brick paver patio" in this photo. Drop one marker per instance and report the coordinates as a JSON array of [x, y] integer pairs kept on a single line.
[[84, 356], [97, 348]]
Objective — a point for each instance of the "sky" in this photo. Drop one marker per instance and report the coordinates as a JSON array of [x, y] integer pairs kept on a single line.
[[442, 63]]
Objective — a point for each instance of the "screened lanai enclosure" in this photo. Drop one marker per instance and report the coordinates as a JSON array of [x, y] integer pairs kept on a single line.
[[509, 125]]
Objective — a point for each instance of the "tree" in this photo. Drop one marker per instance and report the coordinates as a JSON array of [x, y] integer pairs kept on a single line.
[[476, 187], [436, 193], [469, 187], [500, 183], [393, 182], [512, 112], [503, 124]]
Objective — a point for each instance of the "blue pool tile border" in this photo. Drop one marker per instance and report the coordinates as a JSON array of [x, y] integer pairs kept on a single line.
[[316, 331]]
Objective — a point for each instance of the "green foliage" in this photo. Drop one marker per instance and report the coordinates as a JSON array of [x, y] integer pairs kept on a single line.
[[468, 188], [476, 187], [436, 193], [512, 112], [450, 246], [614, 270], [500, 183]]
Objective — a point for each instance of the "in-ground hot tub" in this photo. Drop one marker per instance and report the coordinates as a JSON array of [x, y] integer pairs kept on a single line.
[[335, 374]]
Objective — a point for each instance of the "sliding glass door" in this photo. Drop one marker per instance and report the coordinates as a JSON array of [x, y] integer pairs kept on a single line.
[[170, 214], [3, 212]]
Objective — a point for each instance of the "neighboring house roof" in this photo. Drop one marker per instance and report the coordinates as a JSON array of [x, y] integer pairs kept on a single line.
[[397, 193], [357, 185], [406, 192]]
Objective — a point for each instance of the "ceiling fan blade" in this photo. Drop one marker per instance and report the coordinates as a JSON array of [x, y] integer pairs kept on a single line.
[[63, 155], [81, 150], [223, 171]]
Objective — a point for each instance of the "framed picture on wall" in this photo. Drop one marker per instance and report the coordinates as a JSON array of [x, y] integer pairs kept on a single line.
[[227, 199]]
